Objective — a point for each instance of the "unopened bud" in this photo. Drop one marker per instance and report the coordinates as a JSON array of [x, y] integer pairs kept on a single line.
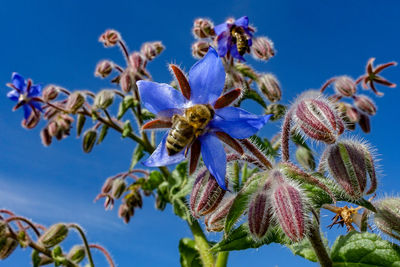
[[262, 48], [110, 38], [45, 137], [107, 186], [203, 28], [215, 221], [32, 121], [364, 123], [270, 87], [54, 235], [348, 162], [305, 157], [89, 139], [104, 99], [138, 61], [200, 49], [7, 247], [206, 194], [345, 86], [387, 217], [152, 49], [103, 69], [50, 92], [125, 212], [365, 104], [77, 253], [118, 187], [277, 110], [317, 118], [126, 81], [260, 214], [349, 112], [75, 101]]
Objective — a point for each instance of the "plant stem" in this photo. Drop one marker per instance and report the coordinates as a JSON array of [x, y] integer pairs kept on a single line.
[[222, 259], [105, 252], [85, 242], [319, 247], [202, 244]]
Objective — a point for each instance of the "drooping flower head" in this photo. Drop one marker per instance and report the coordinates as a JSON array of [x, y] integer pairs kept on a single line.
[[25, 93], [234, 37], [202, 89]]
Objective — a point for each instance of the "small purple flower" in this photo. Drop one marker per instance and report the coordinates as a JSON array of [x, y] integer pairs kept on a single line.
[[204, 86], [25, 93], [227, 37]]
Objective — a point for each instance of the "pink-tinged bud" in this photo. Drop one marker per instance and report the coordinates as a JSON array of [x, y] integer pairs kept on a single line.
[[260, 214], [75, 101], [345, 86], [107, 186], [32, 121], [50, 92], [262, 48], [200, 49], [364, 123], [118, 187], [45, 137], [289, 207], [350, 113], [206, 194], [349, 162], [110, 38], [203, 28], [125, 212], [103, 68], [387, 217], [270, 87], [89, 139], [317, 118], [365, 104], [7, 247], [54, 235], [152, 49], [127, 81], [137, 61], [215, 221]]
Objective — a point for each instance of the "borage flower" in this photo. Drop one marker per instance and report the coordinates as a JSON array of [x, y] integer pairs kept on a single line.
[[25, 93], [234, 37], [182, 112]]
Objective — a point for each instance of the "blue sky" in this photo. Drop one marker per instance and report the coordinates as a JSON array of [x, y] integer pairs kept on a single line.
[[56, 42]]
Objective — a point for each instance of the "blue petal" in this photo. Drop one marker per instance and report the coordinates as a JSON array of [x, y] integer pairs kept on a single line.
[[13, 95], [235, 53], [160, 156], [27, 111], [207, 78], [214, 157], [237, 122], [159, 97], [221, 28], [223, 42], [18, 81], [242, 22], [35, 90]]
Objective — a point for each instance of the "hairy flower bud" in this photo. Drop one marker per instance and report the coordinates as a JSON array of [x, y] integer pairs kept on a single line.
[[50, 92], [125, 212], [89, 139], [277, 110], [32, 121], [345, 86], [387, 217], [349, 162], [270, 87], [45, 137], [138, 61], [127, 81], [262, 48], [103, 68], [152, 49], [200, 49], [365, 104], [365, 123], [7, 247], [215, 221], [317, 118], [54, 235], [203, 28], [77, 253], [305, 157], [118, 187], [75, 101], [104, 99], [110, 38], [206, 194], [260, 214]]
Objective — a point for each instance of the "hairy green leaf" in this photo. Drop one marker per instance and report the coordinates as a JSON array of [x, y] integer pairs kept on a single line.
[[189, 255], [137, 155]]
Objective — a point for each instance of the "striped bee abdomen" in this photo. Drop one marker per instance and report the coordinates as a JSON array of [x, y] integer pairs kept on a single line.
[[179, 136]]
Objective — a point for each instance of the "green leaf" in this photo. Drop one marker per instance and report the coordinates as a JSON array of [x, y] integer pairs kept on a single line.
[[154, 180], [136, 156], [189, 255], [103, 133], [241, 200], [304, 249], [35, 258], [181, 209], [264, 145], [147, 115], [127, 129], [179, 178], [253, 95], [364, 249], [127, 103]]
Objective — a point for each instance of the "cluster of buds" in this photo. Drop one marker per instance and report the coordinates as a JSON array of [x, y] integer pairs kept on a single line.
[[387, 217], [132, 200], [59, 127]]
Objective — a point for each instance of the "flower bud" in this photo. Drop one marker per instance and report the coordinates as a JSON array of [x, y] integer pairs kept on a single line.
[[89, 139], [152, 49], [32, 121], [200, 49], [260, 214], [3, 228], [262, 48], [7, 247], [127, 81], [203, 28], [118, 187], [138, 61], [305, 157], [317, 118], [269, 86], [103, 68], [348, 162], [45, 137], [50, 92], [110, 38], [387, 217], [206, 194], [54, 235], [345, 86], [277, 110], [365, 104], [75, 101], [104, 99], [125, 212], [77, 253], [107, 186], [215, 221], [364, 123]]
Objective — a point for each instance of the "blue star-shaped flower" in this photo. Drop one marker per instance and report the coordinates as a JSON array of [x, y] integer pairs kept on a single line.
[[227, 42], [25, 93], [204, 86]]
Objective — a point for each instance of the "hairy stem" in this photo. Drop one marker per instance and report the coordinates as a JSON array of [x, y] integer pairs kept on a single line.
[[286, 136], [202, 244], [222, 259], [105, 252], [85, 242], [318, 246]]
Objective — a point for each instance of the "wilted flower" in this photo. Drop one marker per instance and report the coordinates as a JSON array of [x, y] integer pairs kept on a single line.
[[200, 100]]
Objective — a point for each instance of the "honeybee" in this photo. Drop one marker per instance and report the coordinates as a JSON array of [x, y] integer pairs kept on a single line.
[[185, 129], [241, 39]]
